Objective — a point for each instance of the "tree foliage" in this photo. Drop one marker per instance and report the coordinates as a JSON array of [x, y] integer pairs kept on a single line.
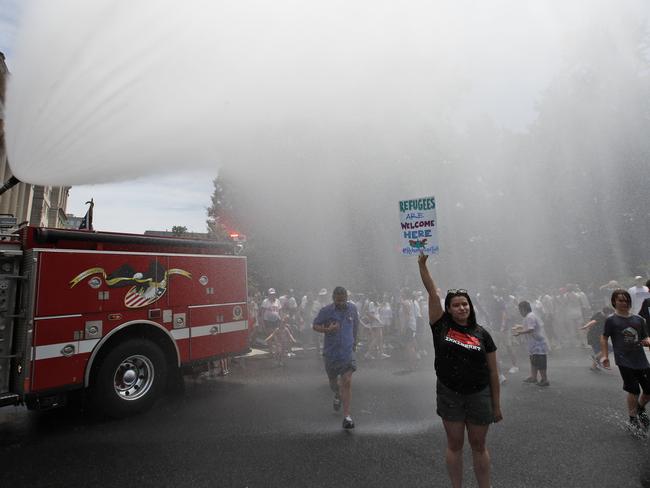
[[220, 211], [179, 230], [226, 215]]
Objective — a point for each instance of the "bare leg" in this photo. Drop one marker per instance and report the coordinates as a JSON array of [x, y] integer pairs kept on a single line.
[[595, 360], [223, 363], [632, 404], [454, 457], [542, 374], [511, 355], [346, 391], [334, 385], [281, 352], [373, 342], [476, 435], [644, 399], [412, 354]]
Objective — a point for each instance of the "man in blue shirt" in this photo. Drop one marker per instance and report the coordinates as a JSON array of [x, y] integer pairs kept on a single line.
[[339, 321]]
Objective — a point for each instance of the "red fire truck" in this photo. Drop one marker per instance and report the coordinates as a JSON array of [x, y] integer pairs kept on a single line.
[[117, 315]]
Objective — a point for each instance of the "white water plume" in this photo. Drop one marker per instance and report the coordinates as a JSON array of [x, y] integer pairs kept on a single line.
[[328, 112], [109, 90]]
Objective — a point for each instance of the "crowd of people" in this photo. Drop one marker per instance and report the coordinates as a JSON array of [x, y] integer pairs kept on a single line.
[[519, 323], [394, 323], [390, 324]]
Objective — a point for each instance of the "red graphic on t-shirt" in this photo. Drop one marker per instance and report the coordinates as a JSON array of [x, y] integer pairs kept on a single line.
[[463, 339]]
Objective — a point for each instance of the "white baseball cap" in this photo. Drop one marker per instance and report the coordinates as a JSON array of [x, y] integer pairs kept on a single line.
[[271, 291]]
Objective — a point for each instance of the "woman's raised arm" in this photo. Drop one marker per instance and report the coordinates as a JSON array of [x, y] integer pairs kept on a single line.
[[435, 308]]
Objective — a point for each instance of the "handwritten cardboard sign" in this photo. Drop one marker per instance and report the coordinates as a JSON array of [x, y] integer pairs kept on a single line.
[[419, 226]]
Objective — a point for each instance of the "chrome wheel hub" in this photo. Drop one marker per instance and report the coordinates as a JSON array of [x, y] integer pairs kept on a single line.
[[134, 377]]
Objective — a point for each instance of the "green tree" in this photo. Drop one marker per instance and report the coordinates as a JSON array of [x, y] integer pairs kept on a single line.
[[179, 230], [220, 210], [226, 216]]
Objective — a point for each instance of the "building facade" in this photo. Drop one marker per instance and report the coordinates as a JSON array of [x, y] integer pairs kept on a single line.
[[42, 206], [72, 221]]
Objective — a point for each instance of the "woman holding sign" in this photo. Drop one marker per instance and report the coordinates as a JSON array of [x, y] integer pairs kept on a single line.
[[467, 388]]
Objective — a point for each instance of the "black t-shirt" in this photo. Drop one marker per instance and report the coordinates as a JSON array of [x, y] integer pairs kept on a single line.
[[461, 355], [627, 334], [645, 311]]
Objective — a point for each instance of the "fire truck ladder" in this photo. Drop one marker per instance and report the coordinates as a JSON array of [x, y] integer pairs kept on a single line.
[[9, 283]]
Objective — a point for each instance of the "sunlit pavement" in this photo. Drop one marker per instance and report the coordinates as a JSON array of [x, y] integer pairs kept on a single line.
[[271, 426]]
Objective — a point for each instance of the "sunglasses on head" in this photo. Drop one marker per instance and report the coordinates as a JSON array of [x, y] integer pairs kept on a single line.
[[455, 291]]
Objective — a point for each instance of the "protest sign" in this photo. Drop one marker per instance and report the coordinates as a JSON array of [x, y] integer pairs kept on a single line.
[[419, 226]]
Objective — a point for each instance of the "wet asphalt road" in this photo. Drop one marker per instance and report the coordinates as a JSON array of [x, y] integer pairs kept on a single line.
[[265, 426]]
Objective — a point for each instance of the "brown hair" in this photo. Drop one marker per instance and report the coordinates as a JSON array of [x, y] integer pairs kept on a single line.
[[624, 293]]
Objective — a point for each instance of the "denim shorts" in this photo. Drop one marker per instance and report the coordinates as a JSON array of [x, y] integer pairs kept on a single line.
[[336, 368], [474, 408]]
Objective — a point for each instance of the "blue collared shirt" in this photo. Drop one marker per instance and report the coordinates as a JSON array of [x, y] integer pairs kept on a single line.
[[338, 345]]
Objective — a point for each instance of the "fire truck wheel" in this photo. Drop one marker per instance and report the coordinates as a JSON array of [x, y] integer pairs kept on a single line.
[[130, 378]]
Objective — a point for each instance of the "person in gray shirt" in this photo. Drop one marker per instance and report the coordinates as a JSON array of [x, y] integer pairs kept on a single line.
[[628, 335]]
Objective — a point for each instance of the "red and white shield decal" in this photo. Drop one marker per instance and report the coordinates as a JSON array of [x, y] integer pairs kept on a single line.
[[138, 299]]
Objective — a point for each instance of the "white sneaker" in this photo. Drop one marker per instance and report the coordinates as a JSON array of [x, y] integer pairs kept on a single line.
[[502, 378], [513, 370]]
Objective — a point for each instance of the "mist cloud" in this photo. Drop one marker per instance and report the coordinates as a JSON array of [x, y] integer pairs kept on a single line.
[[325, 114]]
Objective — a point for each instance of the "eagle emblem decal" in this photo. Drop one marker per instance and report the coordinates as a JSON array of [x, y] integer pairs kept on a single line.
[[146, 288]]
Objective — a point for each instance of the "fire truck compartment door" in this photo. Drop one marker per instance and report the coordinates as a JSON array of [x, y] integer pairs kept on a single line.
[[59, 352], [217, 329], [206, 280]]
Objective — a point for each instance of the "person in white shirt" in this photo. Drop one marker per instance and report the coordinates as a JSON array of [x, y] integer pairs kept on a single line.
[[574, 309], [376, 326], [408, 326], [310, 307], [638, 292], [271, 311], [533, 327]]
